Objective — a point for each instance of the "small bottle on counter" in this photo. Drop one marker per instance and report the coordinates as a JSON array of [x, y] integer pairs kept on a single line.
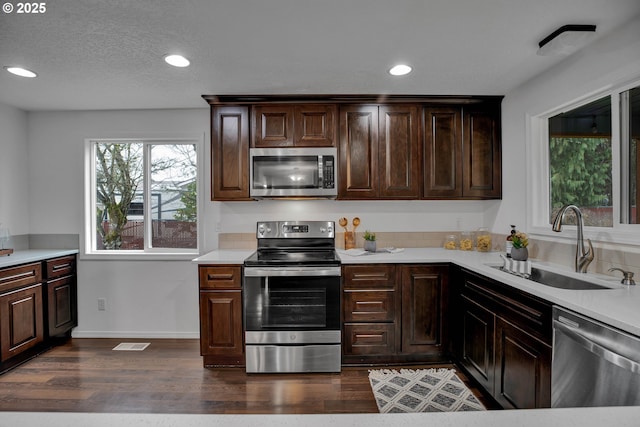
[[509, 244]]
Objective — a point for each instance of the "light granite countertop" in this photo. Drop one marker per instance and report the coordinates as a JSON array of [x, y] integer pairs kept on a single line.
[[33, 255], [573, 417], [618, 306]]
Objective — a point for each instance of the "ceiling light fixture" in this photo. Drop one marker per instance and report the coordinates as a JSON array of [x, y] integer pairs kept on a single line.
[[566, 40], [177, 60], [22, 72], [400, 70]]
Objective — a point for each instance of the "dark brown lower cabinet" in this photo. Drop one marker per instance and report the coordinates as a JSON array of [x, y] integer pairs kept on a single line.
[[61, 294], [21, 321], [424, 300], [38, 308], [523, 368], [221, 331], [395, 313], [477, 336], [503, 341]]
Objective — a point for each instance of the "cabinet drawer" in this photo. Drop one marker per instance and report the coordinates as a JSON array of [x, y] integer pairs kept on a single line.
[[369, 306], [24, 275], [369, 276], [60, 267], [220, 277], [369, 339]]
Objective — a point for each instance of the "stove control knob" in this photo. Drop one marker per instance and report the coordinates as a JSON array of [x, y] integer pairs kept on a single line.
[[261, 230], [323, 230]]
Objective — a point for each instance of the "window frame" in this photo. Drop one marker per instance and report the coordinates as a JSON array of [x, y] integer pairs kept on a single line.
[[538, 187], [88, 243]]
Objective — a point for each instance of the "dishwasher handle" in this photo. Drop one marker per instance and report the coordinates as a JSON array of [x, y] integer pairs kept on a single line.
[[570, 330]]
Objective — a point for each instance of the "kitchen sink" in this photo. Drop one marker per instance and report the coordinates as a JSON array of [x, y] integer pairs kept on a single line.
[[560, 281]]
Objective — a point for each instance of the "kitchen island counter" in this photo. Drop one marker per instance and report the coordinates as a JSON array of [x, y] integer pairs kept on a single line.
[[573, 417]]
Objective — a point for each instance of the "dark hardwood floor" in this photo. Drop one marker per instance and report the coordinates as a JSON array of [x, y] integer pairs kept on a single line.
[[86, 375]]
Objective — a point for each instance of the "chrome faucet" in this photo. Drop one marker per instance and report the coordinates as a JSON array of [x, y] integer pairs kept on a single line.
[[583, 256]]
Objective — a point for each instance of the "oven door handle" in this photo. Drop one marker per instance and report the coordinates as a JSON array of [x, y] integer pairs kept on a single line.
[[291, 271]]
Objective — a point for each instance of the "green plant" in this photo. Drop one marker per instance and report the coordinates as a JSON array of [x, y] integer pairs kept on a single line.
[[520, 240], [369, 236]]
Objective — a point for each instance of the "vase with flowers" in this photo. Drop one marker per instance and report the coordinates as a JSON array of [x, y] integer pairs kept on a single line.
[[520, 241]]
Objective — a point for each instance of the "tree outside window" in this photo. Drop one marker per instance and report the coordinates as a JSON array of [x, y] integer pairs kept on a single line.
[[145, 195], [580, 162]]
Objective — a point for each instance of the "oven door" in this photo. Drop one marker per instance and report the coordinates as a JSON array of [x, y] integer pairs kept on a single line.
[[301, 299]]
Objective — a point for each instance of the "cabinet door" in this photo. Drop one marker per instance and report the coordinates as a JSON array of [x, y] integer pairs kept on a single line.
[[61, 305], [272, 126], [442, 153], [399, 152], [523, 369], [424, 302], [230, 153], [358, 152], [221, 327], [315, 125], [21, 321], [482, 158], [478, 335]]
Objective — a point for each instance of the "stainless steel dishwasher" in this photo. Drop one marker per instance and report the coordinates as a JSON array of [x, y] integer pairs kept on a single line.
[[593, 364]]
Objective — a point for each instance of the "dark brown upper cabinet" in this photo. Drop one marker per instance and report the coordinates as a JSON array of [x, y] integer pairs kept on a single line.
[[442, 152], [462, 158], [311, 125], [482, 157], [379, 152], [230, 153], [386, 151]]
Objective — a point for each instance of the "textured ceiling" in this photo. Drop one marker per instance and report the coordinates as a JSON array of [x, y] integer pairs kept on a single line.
[[107, 54]]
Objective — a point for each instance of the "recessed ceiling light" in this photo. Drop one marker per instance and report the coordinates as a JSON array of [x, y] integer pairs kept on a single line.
[[19, 71], [177, 60], [400, 70]]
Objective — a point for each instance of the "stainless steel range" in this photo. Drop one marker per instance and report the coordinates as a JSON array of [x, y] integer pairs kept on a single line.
[[291, 289]]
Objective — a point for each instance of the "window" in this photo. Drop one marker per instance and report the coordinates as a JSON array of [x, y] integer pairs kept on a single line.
[[580, 162], [142, 196], [586, 154]]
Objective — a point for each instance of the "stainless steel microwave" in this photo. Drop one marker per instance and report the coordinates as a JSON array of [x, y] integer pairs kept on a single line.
[[293, 172]]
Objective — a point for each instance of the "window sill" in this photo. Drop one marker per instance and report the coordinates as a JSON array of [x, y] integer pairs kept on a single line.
[[132, 256]]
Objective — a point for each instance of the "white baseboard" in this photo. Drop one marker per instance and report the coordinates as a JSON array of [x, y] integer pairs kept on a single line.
[[135, 335]]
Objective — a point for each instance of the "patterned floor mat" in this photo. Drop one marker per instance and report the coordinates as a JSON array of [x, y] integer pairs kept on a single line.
[[421, 390]]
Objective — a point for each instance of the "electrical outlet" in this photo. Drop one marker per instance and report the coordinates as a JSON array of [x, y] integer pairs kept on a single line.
[[102, 304]]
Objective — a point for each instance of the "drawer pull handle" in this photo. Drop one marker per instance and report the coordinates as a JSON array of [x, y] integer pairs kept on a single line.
[[220, 277], [18, 276], [61, 266]]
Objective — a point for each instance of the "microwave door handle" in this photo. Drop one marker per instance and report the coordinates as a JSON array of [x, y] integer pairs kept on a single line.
[[320, 172]]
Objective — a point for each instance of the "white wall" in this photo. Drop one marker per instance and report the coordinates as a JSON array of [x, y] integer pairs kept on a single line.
[[14, 167], [613, 60], [159, 299], [144, 298]]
